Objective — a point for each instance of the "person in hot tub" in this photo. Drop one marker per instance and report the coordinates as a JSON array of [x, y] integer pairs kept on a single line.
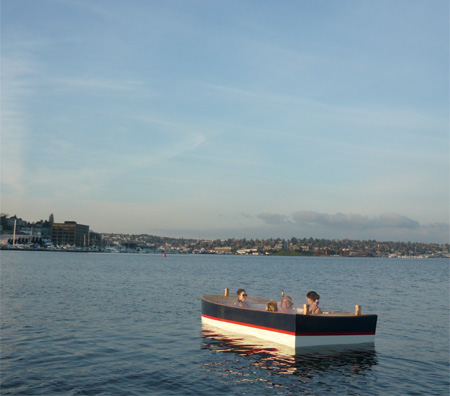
[[313, 300], [272, 306], [286, 305], [241, 300]]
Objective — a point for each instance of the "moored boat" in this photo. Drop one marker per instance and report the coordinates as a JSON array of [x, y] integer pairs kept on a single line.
[[295, 330]]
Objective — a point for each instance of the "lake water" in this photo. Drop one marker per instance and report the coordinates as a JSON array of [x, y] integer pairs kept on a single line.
[[130, 324]]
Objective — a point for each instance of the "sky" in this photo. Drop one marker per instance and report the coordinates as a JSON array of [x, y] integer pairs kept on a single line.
[[228, 119]]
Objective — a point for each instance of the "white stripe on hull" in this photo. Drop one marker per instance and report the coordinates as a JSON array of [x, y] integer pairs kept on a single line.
[[280, 338], [289, 340]]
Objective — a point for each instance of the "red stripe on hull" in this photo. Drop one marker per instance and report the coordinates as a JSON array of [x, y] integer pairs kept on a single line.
[[289, 332]]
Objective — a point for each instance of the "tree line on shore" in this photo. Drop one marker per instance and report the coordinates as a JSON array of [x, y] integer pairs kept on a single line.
[[280, 246]]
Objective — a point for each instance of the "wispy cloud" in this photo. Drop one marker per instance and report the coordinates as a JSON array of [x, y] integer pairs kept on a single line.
[[97, 84], [274, 219], [17, 72], [369, 115], [386, 226], [353, 221]]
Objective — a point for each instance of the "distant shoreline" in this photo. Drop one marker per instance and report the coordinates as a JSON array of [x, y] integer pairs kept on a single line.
[[281, 254]]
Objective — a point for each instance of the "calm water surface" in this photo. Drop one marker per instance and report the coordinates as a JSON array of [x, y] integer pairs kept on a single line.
[[124, 324]]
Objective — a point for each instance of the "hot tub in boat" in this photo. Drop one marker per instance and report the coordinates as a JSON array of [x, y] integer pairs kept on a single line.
[[294, 330]]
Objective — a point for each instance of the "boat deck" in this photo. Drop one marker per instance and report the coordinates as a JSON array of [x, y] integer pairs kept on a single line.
[[259, 304]]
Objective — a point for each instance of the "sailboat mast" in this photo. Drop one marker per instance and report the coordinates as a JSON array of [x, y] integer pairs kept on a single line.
[[14, 233]]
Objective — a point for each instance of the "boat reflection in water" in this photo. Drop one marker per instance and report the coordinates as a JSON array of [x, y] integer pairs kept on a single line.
[[334, 361]]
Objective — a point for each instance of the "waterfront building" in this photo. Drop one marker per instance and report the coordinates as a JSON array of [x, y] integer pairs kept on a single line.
[[70, 233]]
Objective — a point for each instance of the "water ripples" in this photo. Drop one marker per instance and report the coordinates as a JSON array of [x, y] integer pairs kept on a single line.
[[82, 324], [317, 371]]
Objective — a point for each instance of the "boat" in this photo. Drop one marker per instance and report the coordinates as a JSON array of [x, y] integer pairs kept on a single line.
[[295, 330]]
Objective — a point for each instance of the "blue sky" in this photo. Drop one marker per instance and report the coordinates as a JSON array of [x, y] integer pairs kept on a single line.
[[221, 119]]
